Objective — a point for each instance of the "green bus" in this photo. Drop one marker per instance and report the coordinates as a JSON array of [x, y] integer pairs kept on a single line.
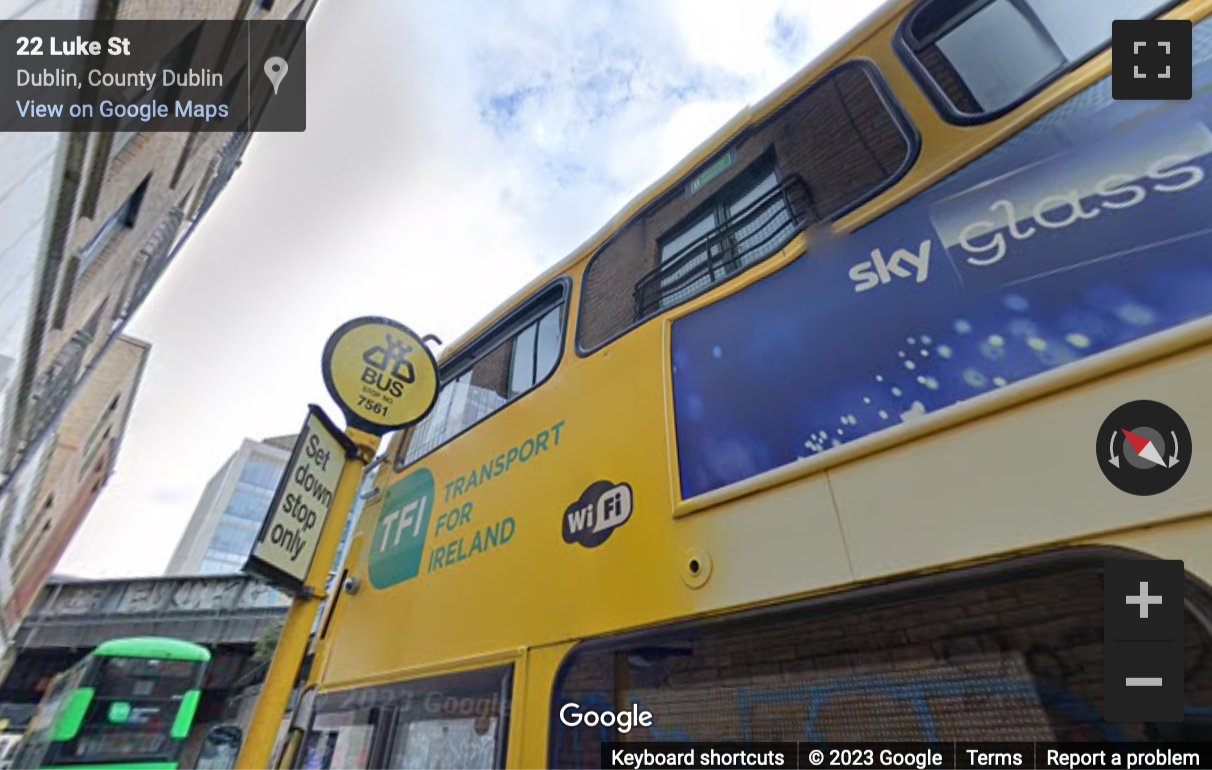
[[128, 704]]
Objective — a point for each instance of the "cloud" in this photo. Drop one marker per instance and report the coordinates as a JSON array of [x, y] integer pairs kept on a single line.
[[580, 105], [453, 150]]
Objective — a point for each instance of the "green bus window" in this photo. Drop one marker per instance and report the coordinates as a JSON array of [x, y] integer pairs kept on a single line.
[[73, 714], [185, 714]]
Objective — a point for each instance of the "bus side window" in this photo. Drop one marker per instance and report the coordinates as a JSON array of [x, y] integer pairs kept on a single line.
[[1015, 655], [506, 362], [449, 721], [837, 144], [977, 58]]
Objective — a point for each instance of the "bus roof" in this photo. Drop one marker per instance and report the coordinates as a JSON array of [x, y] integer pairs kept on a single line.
[[152, 647], [748, 116]]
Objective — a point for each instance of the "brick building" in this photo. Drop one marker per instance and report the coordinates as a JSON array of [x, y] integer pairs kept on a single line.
[[101, 220], [75, 463]]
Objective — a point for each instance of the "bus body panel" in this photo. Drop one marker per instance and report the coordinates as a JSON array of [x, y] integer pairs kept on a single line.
[[1036, 473], [786, 541], [634, 578], [499, 559]]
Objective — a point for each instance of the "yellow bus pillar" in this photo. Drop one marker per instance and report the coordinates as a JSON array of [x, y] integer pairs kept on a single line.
[[296, 632]]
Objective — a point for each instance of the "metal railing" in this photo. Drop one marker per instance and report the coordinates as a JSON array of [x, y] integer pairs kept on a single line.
[[153, 259], [229, 161], [54, 385], [748, 237]]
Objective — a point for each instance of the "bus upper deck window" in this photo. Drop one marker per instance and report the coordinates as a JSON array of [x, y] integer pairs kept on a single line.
[[491, 371], [980, 58]]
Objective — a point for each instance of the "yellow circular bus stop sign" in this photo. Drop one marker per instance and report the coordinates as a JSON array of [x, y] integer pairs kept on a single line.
[[380, 373]]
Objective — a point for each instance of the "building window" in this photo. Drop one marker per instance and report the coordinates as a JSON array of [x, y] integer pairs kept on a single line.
[[831, 148], [262, 474], [979, 58], [234, 537], [249, 502], [743, 224], [94, 444], [685, 261], [214, 567], [491, 372], [121, 220]]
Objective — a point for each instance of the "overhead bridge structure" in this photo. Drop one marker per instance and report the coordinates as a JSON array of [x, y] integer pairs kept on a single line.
[[229, 614], [220, 610]]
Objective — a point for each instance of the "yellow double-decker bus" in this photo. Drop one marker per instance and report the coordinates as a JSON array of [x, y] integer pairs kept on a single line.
[[808, 442]]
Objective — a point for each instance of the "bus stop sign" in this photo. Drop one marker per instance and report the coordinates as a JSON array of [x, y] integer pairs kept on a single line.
[[380, 373], [283, 551]]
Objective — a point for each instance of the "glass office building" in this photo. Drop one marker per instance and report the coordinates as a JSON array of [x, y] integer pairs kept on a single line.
[[228, 516], [241, 517]]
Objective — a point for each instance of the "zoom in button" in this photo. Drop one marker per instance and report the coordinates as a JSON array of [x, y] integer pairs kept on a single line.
[[1143, 640]]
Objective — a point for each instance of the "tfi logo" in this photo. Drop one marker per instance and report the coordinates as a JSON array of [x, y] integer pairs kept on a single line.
[[399, 536], [877, 270], [601, 509]]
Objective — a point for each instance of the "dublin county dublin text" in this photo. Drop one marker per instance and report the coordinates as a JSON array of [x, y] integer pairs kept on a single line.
[[64, 78]]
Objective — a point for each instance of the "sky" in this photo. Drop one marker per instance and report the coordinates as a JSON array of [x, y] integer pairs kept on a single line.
[[453, 151]]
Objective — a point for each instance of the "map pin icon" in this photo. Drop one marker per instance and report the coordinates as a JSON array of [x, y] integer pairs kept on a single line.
[[275, 69]]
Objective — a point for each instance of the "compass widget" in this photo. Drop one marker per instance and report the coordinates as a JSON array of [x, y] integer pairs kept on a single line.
[[1144, 448]]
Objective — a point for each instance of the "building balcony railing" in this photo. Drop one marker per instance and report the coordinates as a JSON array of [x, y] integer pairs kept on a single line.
[[751, 235], [228, 161], [54, 385], [153, 259]]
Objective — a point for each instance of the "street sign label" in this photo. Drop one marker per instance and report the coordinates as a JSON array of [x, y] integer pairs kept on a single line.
[[380, 373], [286, 545]]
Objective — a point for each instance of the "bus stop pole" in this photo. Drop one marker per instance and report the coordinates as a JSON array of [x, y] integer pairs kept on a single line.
[[293, 744], [275, 693]]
